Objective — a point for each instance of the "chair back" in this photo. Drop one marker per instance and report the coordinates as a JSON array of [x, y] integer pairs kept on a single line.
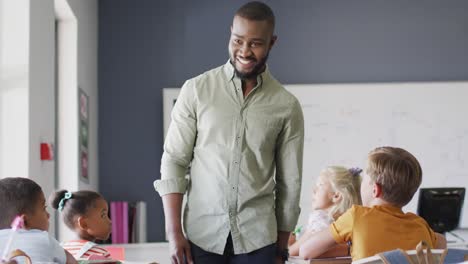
[[422, 255], [19, 253]]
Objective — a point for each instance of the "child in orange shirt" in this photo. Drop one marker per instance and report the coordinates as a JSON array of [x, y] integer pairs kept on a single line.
[[392, 177], [86, 213], [336, 190]]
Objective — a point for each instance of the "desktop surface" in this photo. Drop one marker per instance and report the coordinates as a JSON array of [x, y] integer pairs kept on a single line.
[[144, 253], [159, 252]]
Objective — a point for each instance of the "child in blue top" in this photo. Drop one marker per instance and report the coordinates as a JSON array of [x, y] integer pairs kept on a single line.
[[24, 197]]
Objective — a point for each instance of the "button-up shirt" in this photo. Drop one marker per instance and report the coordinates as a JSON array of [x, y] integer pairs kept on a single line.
[[243, 157]]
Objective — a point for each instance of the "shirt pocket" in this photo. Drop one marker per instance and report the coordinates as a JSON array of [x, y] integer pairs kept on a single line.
[[261, 132]]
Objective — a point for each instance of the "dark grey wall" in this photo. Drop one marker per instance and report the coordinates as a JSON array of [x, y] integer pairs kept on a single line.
[[147, 45]]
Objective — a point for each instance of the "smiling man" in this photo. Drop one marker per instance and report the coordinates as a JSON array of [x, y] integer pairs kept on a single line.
[[241, 134]]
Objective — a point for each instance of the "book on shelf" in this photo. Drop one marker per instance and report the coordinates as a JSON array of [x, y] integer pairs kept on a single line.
[[125, 229], [128, 222], [113, 217], [141, 222]]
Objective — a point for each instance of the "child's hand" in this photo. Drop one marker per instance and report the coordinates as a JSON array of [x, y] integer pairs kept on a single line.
[[292, 239]]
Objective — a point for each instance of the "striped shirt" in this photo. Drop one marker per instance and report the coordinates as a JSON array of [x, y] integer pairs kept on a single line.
[[75, 248]]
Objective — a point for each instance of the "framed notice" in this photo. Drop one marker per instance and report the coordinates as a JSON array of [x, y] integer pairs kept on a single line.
[[169, 99], [83, 132]]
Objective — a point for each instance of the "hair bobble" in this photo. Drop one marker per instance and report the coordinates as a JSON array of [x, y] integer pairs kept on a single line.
[[355, 171], [67, 196]]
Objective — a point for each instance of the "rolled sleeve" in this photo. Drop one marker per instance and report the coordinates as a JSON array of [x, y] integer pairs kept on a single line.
[[164, 187], [179, 143], [289, 155]]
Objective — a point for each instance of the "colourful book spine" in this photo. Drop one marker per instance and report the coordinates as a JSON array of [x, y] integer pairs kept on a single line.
[[113, 213], [125, 225]]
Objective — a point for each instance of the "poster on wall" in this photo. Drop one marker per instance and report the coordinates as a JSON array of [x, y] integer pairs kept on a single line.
[[169, 99], [83, 135]]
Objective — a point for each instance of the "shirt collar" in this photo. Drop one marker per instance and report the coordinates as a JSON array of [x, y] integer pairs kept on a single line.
[[230, 73], [390, 208]]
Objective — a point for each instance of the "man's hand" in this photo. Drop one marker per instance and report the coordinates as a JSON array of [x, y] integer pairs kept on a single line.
[[179, 249], [281, 245], [279, 260]]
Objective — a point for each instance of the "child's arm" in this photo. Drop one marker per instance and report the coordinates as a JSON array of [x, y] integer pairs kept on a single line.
[[70, 258], [318, 244], [294, 248], [340, 250], [292, 239], [441, 241]]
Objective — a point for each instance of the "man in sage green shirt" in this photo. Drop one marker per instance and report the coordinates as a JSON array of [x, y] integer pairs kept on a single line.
[[241, 134]]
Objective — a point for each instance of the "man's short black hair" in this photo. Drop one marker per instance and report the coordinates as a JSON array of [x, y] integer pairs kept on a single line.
[[17, 196], [257, 11]]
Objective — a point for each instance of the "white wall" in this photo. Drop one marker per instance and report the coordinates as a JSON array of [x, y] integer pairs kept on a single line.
[[14, 93], [41, 90], [42, 78], [28, 96]]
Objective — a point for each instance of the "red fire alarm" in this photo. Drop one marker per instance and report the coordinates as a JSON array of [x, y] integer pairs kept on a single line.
[[47, 151]]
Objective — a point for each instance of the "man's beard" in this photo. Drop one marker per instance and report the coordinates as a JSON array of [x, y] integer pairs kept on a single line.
[[254, 72]]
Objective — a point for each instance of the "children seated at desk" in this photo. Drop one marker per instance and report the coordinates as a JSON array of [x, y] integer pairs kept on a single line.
[[23, 197], [392, 177], [336, 190], [86, 213]]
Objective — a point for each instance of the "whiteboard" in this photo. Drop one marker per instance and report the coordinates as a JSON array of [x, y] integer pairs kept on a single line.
[[343, 122]]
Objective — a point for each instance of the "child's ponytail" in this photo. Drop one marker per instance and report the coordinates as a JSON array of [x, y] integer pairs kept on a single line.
[[56, 197]]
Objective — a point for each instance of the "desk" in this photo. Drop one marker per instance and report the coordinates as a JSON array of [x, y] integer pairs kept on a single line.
[[339, 260], [457, 238], [146, 253], [159, 252]]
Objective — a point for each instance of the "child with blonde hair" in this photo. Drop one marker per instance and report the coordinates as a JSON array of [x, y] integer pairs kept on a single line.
[[392, 177], [24, 198], [336, 190], [86, 213]]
